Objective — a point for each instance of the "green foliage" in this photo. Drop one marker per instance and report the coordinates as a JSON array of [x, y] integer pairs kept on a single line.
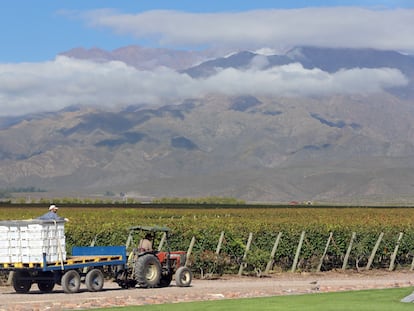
[[256, 260], [209, 264]]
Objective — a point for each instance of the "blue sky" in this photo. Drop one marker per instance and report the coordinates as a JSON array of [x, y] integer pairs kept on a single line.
[[38, 30], [34, 78]]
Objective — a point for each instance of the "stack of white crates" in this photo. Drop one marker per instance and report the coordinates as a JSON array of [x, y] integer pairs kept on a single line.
[[25, 241]]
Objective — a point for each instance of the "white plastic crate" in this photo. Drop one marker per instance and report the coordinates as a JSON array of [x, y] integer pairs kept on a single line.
[[34, 243], [32, 258], [37, 235], [15, 258], [35, 227], [56, 242], [53, 233], [14, 250], [5, 258], [56, 257], [13, 235], [4, 244], [14, 243]]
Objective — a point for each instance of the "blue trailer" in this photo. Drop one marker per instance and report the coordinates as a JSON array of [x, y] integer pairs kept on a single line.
[[87, 264]]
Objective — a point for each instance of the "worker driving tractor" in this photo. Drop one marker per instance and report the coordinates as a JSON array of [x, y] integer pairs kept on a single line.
[[145, 245]]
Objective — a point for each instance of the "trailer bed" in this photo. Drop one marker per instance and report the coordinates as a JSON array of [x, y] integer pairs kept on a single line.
[[82, 257], [69, 263]]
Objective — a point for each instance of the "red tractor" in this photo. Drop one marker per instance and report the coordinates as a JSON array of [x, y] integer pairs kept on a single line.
[[153, 268]]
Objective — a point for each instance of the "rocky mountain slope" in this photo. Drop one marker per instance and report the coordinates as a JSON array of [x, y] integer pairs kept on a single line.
[[336, 148], [144, 58]]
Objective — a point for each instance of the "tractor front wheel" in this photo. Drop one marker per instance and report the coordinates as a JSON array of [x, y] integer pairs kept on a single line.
[[183, 277]]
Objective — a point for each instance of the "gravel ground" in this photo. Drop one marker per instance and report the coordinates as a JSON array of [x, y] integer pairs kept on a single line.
[[226, 287]]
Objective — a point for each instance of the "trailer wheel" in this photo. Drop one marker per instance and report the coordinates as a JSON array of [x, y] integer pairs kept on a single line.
[[148, 271], [94, 280], [46, 286], [183, 277], [22, 281], [71, 282], [47, 283]]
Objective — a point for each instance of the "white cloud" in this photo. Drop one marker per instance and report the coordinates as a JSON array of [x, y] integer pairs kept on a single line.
[[53, 85], [328, 27], [294, 80]]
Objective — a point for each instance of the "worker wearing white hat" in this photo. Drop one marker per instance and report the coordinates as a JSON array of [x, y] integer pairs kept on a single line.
[[52, 214]]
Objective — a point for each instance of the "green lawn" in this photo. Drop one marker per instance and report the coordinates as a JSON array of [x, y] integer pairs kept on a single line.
[[377, 300]]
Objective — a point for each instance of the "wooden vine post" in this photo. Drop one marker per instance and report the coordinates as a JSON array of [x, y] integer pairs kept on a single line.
[[190, 249], [394, 254], [273, 253], [220, 242], [374, 250], [295, 261], [324, 253], [348, 252], [412, 265], [243, 263]]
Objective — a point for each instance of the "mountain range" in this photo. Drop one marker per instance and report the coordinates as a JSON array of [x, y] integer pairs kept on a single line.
[[336, 147]]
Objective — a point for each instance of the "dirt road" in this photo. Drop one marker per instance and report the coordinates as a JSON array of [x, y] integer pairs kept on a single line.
[[226, 287]]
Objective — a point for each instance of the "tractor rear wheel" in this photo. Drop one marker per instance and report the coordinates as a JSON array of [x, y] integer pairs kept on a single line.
[[148, 271]]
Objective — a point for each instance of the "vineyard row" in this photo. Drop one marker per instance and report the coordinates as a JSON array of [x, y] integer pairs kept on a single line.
[[360, 238]]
